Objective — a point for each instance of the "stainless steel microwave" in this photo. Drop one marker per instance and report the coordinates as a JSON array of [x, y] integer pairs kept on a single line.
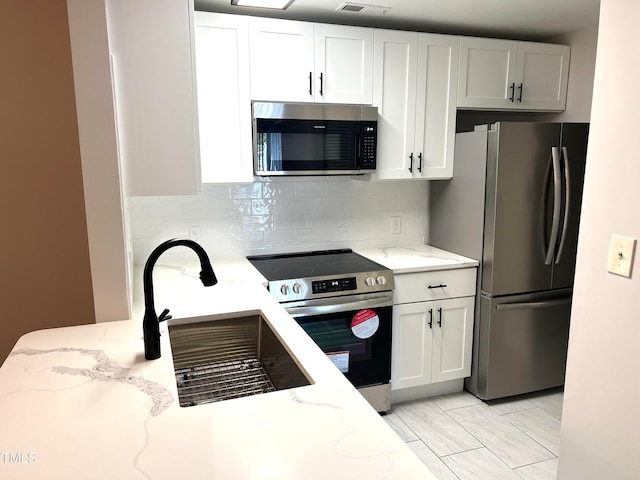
[[312, 139]]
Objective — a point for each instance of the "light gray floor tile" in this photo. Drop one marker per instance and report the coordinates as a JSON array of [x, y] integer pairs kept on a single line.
[[431, 460], [546, 470], [455, 400], [509, 405], [550, 403], [543, 427], [479, 464], [507, 442], [435, 428], [401, 428]]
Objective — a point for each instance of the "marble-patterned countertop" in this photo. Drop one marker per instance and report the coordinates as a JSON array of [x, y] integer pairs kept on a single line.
[[82, 402], [417, 258]]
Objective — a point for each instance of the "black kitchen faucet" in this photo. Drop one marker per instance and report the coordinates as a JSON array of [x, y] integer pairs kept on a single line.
[[151, 322]]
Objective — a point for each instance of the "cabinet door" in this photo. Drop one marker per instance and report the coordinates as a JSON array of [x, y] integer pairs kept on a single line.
[[152, 46], [281, 60], [435, 123], [224, 105], [452, 337], [343, 64], [542, 75], [487, 73], [396, 59], [411, 348]]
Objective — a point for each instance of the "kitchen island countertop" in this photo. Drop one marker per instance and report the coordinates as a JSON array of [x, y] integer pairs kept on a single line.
[[82, 402]]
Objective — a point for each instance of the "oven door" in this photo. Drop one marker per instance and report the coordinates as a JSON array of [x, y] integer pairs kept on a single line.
[[354, 331]]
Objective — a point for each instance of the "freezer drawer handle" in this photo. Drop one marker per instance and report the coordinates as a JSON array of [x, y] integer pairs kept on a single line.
[[525, 305], [442, 285], [440, 317]]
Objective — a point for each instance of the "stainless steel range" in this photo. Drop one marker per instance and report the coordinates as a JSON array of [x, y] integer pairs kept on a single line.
[[344, 302]]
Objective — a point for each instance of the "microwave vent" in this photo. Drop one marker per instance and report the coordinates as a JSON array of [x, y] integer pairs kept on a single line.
[[362, 8]]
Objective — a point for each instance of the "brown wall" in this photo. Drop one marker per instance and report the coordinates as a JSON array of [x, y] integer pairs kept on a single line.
[[45, 279]]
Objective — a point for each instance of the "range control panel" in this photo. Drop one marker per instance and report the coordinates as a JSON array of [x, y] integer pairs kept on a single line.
[[337, 285]]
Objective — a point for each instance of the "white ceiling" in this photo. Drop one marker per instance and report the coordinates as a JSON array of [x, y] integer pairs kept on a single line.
[[518, 19]]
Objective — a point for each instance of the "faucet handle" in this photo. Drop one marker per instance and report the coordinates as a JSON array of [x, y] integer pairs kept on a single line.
[[164, 315]]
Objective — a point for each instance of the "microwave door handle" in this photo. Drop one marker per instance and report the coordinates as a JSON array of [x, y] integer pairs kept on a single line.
[[358, 141]]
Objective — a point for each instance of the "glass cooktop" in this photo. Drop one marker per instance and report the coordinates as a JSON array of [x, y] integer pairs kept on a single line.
[[313, 264]]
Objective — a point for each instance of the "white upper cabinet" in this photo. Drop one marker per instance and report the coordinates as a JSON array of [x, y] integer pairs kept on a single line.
[[304, 62], [151, 42], [224, 103], [508, 75], [415, 84]]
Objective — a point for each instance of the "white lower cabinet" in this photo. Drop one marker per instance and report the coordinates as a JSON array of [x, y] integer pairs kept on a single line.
[[432, 340]]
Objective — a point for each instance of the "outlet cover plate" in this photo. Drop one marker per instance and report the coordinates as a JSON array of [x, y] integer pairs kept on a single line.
[[621, 253]]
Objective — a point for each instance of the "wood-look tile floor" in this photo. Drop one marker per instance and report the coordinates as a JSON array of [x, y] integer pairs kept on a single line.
[[459, 437]]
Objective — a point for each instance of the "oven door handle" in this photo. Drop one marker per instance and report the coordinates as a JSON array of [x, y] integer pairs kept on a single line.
[[328, 305]]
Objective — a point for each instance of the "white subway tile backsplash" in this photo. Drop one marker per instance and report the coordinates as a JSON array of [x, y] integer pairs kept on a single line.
[[274, 215]]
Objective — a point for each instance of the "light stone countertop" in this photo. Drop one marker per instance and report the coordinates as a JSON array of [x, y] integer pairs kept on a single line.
[[417, 258], [82, 402]]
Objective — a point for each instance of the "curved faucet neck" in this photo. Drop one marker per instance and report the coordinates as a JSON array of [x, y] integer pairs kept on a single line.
[[151, 328]]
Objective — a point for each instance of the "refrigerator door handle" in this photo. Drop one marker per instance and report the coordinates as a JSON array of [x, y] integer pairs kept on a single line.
[[567, 196], [557, 191], [526, 305]]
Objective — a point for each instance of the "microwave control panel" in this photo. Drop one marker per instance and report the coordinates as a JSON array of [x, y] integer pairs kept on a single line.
[[368, 145]]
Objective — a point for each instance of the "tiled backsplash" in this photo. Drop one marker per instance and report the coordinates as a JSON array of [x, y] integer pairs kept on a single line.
[[282, 215]]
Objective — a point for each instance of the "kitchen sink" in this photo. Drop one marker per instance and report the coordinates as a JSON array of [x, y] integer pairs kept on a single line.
[[230, 357]]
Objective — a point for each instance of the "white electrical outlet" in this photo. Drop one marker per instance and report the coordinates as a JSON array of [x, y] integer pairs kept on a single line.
[[195, 234], [621, 251], [396, 224]]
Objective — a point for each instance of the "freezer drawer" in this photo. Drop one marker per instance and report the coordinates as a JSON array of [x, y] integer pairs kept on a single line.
[[522, 343]]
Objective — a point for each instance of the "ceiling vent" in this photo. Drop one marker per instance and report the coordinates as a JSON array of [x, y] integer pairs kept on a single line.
[[362, 8]]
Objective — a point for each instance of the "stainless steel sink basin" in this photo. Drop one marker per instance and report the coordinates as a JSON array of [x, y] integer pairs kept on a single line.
[[227, 358]]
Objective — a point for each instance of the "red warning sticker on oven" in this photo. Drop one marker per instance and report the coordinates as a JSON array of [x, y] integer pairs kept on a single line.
[[365, 323]]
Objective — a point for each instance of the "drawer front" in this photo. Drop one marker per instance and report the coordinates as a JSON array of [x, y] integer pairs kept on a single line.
[[434, 285]]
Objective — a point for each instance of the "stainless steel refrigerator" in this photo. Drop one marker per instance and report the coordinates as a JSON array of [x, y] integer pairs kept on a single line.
[[514, 205]]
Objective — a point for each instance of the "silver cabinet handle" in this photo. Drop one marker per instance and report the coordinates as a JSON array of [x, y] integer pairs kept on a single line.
[[526, 305], [557, 190], [567, 196]]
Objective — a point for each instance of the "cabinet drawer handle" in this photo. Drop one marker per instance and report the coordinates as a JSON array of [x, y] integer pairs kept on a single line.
[[430, 318], [440, 317], [442, 285], [520, 96], [310, 89], [411, 162], [513, 92]]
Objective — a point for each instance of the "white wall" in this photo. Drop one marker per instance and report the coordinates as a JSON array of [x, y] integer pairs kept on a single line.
[[600, 436], [281, 215]]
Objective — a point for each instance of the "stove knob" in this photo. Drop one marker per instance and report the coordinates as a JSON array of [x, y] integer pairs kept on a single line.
[[369, 281], [284, 289], [381, 280], [296, 288]]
